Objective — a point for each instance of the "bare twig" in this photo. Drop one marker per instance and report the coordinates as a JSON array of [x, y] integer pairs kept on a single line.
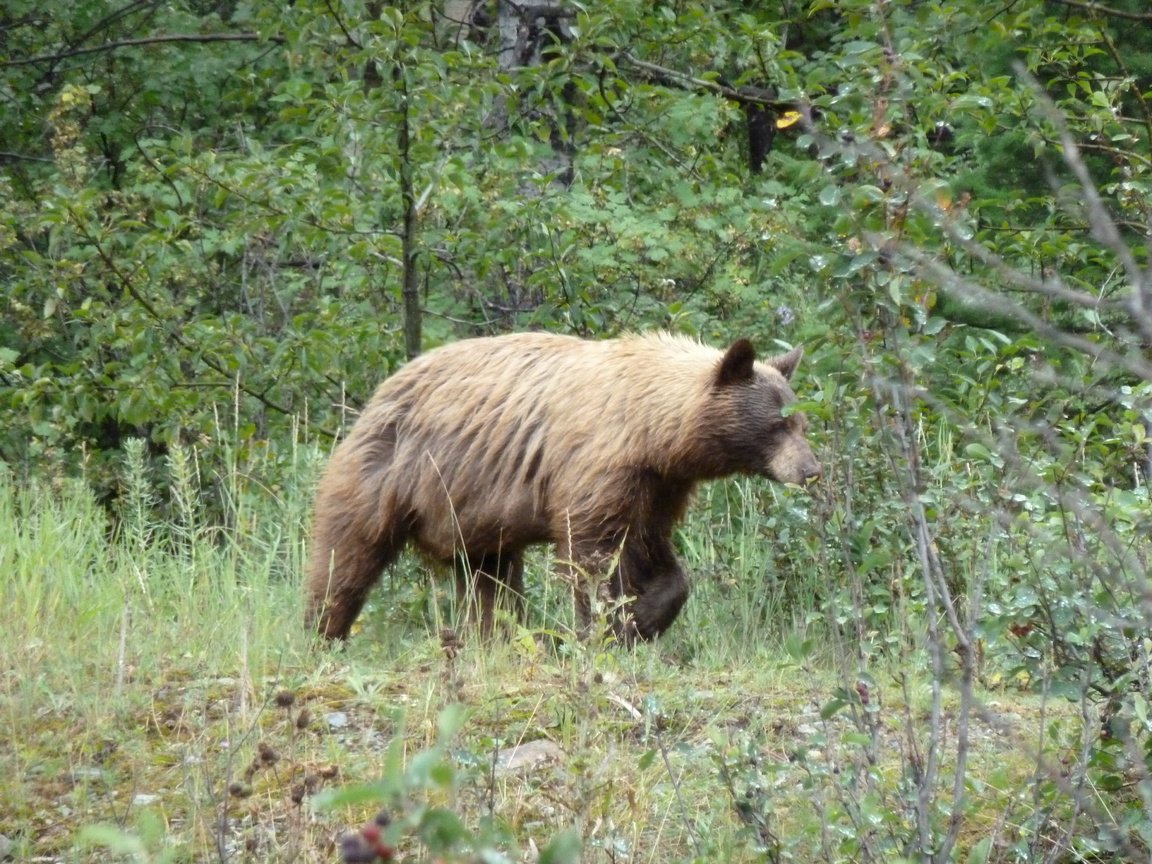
[[946, 277], [685, 81], [146, 40], [1110, 11], [21, 157]]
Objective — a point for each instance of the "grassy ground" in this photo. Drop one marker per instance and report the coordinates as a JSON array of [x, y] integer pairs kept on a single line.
[[159, 700]]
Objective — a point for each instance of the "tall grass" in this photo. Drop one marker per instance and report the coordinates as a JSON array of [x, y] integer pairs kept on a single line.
[[92, 600], [748, 547], [157, 679], [111, 618]]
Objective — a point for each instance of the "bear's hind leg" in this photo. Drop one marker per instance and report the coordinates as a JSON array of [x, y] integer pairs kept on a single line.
[[343, 569], [490, 582]]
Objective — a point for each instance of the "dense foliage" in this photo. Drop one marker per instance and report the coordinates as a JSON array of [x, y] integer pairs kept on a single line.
[[225, 221]]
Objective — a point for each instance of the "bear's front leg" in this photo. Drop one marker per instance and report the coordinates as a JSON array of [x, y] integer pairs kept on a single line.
[[650, 573]]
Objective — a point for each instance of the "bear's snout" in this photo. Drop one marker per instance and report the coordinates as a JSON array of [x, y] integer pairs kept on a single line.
[[812, 472], [795, 463]]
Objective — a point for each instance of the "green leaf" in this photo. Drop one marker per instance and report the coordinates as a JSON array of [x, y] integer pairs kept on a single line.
[[832, 707], [981, 851], [797, 647], [565, 848], [442, 829], [449, 721], [830, 195]]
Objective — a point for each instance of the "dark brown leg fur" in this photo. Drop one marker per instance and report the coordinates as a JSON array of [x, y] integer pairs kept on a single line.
[[356, 533], [650, 572], [488, 583], [352, 542], [342, 572]]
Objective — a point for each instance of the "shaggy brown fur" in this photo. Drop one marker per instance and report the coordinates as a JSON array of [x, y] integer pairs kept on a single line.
[[480, 448]]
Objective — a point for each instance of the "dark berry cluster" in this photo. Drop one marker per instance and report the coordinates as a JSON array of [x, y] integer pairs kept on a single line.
[[367, 844]]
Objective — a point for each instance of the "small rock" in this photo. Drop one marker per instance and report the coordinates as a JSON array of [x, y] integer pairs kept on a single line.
[[527, 756], [336, 719]]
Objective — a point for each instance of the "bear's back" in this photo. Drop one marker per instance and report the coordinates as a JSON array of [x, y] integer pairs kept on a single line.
[[525, 374], [502, 436]]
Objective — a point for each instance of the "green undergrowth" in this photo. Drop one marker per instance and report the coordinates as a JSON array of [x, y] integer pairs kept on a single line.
[[159, 701]]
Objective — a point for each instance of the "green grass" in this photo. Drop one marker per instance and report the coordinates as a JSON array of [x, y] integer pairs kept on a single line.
[[148, 666]]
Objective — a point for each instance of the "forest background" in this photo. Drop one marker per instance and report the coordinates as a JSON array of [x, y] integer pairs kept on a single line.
[[225, 222]]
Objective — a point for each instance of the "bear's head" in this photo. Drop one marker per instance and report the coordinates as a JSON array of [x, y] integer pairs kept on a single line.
[[753, 431]]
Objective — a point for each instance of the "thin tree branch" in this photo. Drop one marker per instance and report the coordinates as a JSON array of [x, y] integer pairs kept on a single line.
[[22, 157], [111, 18], [684, 81], [1052, 288], [943, 275], [1101, 224], [1106, 10], [340, 23], [147, 40]]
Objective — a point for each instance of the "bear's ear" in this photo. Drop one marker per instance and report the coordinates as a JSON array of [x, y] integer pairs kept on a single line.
[[737, 365], [786, 364]]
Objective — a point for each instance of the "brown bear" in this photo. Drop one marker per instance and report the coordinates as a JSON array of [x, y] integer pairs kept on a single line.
[[480, 448]]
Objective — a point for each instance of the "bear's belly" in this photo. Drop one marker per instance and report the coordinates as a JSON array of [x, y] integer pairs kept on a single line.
[[480, 527]]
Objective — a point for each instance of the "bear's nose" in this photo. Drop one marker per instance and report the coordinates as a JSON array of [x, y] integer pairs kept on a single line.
[[812, 473]]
